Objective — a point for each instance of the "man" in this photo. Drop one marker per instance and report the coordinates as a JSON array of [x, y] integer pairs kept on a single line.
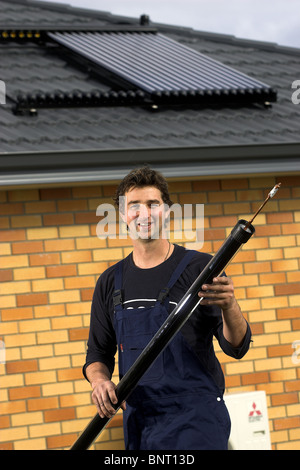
[[178, 404]]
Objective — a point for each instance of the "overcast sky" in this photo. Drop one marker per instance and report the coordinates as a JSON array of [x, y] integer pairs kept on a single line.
[[267, 20]]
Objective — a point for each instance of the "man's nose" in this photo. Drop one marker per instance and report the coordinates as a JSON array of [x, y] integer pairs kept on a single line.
[[143, 211]]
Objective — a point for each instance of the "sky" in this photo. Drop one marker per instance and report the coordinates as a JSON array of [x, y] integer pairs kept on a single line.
[[263, 20]]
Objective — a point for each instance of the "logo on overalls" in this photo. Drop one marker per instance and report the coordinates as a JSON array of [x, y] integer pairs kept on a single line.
[[255, 414]]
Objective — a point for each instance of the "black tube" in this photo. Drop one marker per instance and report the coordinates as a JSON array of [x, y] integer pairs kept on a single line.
[[184, 309]]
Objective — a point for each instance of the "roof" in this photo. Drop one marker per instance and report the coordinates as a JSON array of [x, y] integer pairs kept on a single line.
[[90, 143]]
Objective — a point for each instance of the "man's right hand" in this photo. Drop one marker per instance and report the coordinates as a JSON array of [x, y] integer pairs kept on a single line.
[[103, 394]]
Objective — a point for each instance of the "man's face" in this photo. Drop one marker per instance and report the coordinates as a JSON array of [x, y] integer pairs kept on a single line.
[[144, 212]]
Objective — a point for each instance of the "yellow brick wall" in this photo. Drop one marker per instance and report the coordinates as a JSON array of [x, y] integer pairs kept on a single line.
[[50, 261]]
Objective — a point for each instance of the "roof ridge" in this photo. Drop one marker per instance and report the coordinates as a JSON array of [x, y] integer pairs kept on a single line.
[[112, 18]]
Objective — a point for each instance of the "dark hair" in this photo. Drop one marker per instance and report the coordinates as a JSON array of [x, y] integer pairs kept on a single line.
[[141, 177]]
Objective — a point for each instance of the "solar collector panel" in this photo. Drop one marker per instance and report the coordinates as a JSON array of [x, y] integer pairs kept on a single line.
[[159, 65]]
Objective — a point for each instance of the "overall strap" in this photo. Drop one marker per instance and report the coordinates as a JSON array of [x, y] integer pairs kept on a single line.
[[117, 294], [176, 275]]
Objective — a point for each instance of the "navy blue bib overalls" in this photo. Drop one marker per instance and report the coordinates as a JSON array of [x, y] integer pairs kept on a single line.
[[176, 405]]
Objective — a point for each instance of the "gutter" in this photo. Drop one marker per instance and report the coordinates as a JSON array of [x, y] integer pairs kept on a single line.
[[88, 166]]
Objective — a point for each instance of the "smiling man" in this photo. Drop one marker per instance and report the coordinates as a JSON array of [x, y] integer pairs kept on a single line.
[[178, 404]]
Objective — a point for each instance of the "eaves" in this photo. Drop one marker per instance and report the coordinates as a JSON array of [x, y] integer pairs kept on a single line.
[[91, 166]]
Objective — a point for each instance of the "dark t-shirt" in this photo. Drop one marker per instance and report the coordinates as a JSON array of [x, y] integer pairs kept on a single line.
[[140, 289]]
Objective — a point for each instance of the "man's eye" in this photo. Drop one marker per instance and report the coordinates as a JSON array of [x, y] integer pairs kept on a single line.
[[134, 207]]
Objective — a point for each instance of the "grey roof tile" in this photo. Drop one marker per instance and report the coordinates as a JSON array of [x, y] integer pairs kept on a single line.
[[29, 68]]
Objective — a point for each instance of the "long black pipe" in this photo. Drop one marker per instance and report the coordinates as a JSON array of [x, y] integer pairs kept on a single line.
[[239, 235]]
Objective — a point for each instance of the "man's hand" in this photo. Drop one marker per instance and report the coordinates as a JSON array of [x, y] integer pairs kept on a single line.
[[220, 292], [103, 394], [104, 397]]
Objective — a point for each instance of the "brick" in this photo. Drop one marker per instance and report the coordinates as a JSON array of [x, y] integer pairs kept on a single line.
[[262, 267], [46, 285], [284, 265], [14, 434], [78, 334], [44, 259], [88, 243], [83, 192], [14, 261], [47, 311], [287, 423], [25, 393], [21, 366], [17, 287], [40, 404], [221, 196], [4, 422], [52, 337], [6, 275], [32, 299], [12, 235], [27, 418], [272, 278], [4, 223], [32, 444], [269, 254], [61, 440], [42, 233], [73, 205], [86, 294], [59, 245], [5, 249], [26, 221], [279, 351], [74, 231], [76, 257], [58, 219], [37, 351], [293, 252], [104, 255], [276, 326], [284, 399], [55, 389], [65, 296], [61, 271], [29, 273], [8, 301], [27, 247], [34, 378], [50, 363], [288, 229], [69, 348], [34, 325], [80, 282], [55, 193], [59, 415], [74, 373], [9, 209], [260, 291], [255, 378], [43, 430], [23, 195], [20, 340], [291, 386], [288, 240], [279, 217], [287, 289], [269, 302], [40, 207]]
